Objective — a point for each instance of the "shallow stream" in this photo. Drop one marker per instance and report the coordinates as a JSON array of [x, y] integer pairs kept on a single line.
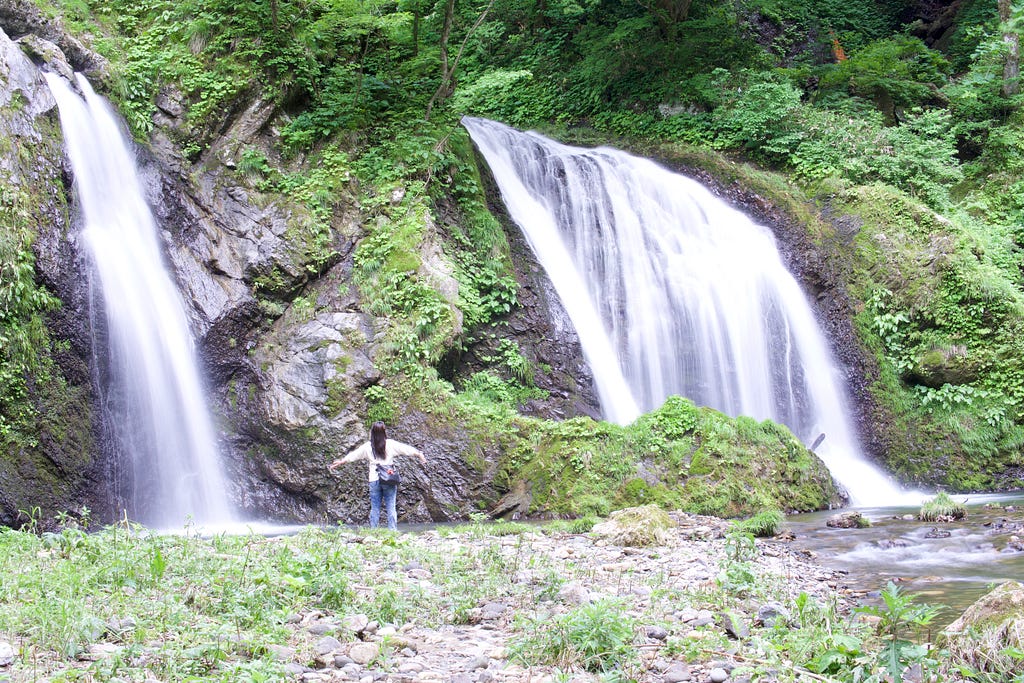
[[952, 571]]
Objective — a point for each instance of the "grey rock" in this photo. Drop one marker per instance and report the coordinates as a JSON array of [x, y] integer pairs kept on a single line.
[[6, 654], [364, 653], [327, 645], [656, 632], [718, 675], [356, 623], [493, 610], [319, 628], [574, 593], [735, 625], [676, 673], [772, 613]]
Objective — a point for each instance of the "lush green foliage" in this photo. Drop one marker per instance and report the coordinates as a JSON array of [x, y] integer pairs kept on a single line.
[[23, 336]]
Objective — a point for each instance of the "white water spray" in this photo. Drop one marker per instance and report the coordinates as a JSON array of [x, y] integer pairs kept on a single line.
[[672, 291], [153, 403]]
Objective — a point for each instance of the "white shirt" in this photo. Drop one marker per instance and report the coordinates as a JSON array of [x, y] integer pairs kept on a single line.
[[392, 449]]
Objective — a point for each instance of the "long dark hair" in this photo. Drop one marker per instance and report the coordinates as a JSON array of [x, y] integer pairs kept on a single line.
[[378, 440]]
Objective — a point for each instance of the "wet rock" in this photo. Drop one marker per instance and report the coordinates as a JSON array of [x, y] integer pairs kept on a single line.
[[656, 632], [850, 519], [936, 532]]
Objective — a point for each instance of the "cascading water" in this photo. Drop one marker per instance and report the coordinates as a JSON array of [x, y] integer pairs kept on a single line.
[[674, 292], [168, 466]]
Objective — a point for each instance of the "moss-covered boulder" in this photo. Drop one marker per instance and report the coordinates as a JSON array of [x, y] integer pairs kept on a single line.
[[679, 456], [988, 632], [638, 526]]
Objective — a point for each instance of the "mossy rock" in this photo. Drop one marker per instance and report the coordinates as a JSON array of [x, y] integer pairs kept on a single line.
[[949, 365], [638, 526], [988, 631], [942, 508]]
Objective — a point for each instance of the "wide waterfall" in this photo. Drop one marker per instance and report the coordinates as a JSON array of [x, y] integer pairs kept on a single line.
[[168, 470], [672, 291]]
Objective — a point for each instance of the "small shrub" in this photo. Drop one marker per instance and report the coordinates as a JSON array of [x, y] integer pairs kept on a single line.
[[762, 525], [942, 508], [597, 637]]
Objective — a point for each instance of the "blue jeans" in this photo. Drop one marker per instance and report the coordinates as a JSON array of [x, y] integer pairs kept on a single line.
[[389, 493]]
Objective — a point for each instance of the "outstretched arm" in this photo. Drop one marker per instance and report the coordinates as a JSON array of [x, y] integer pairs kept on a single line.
[[356, 454], [398, 448]]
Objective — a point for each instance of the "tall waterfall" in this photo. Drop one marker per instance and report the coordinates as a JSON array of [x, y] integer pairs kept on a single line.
[[674, 292], [168, 468]]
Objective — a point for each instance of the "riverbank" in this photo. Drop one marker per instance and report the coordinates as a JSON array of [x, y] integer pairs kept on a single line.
[[469, 604]]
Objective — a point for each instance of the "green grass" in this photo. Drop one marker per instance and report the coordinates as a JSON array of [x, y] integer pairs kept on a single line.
[[941, 508]]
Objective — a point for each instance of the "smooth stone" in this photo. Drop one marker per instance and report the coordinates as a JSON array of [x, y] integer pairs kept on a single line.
[[718, 675], [6, 654], [364, 653], [677, 673], [355, 622]]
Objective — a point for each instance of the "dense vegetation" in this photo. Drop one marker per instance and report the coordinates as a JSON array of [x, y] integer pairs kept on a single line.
[[894, 116]]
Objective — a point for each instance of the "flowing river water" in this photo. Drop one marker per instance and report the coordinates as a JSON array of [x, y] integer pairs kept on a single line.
[[952, 571]]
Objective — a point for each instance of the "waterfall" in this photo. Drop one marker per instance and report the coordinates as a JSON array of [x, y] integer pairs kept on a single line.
[[672, 291], [167, 467]]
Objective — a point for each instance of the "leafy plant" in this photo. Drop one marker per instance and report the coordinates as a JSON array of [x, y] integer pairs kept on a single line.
[[597, 637], [763, 524], [899, 617]]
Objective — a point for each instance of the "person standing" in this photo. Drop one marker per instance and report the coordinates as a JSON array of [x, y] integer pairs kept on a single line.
[[380, 450]]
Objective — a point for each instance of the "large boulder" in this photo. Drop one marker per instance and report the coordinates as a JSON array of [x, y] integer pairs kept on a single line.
[[988, 631], [638, 526]]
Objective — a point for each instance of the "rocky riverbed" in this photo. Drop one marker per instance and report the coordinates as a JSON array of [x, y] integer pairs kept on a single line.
[[471, 604], [648, 587], [677, 597], [667, 592]]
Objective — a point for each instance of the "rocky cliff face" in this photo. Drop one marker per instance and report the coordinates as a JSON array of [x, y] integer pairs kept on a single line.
[[59, 470], [286, 345]]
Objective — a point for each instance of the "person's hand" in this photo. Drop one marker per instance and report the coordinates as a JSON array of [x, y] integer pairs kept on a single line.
[[333, 465], [423, 460]]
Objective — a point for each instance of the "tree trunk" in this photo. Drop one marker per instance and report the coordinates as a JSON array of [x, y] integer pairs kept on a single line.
[[448, 70], [1011, 67]]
